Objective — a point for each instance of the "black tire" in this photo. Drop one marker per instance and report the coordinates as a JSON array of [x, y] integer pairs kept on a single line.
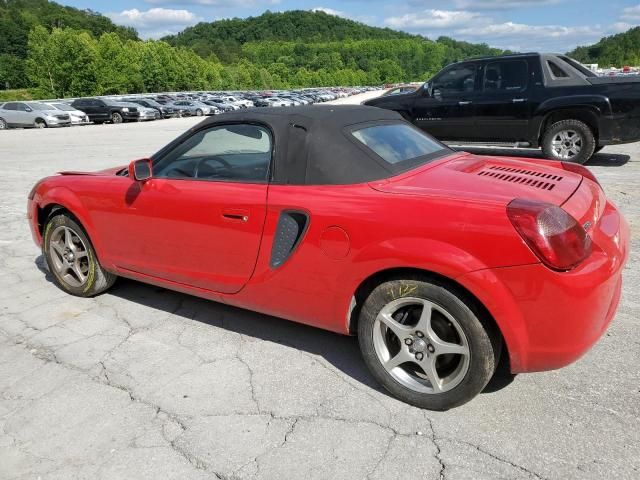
[[586, 137], [483, 340], [3, 124], [97, 280], [116, 117], [199, 113], [40, 123]]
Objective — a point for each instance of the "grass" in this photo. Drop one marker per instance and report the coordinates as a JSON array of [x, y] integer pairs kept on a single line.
[[19, 94]]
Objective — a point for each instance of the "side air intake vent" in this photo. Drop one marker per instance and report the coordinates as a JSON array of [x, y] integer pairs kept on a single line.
[[530, 178], [291, 228]]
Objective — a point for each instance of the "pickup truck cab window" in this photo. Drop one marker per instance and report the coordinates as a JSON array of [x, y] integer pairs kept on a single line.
[[456, 80], [556, 71], [506, 76]]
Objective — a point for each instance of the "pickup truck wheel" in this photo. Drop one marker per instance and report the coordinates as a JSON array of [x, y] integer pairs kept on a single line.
[[423, 342], [116, 117], [569, 141], [72, 259]]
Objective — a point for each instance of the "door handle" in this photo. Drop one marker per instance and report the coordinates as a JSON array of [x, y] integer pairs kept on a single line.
[[465, 102], [519, 100], [236, 215]]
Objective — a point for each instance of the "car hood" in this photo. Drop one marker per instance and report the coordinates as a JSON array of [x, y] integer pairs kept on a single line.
[[491, 179]]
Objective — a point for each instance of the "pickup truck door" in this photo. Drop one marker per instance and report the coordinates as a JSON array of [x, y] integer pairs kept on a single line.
[[199, 220], [503, 107], [447, 109]]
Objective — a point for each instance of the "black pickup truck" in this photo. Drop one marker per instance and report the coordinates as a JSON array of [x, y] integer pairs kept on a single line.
[[525, 100]]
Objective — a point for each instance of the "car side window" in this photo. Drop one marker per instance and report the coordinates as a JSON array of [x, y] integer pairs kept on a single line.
[[556, 71], [506, 76], [10, 106], [456, 80], [22, 107], [234, 153], [98, 103]]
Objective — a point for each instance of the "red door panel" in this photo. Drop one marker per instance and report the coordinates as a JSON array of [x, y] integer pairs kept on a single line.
[[199, 233]]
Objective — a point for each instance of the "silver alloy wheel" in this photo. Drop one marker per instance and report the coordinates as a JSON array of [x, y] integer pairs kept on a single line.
[[40, 124], [3, 124], [69, 256], [567, 144], [408, 339], [199, 113], [116, 117]]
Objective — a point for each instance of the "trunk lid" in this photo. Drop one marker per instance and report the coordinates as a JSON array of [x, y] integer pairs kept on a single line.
[[490, 179]]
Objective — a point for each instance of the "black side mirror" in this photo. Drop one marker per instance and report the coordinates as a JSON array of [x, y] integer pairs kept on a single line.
[[141, 170]]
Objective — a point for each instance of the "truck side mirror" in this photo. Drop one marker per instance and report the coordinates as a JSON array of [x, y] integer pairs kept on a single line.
[[428, 89], [141, 170]]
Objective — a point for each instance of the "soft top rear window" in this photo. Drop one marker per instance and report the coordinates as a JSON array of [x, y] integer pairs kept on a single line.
[[400, 145]]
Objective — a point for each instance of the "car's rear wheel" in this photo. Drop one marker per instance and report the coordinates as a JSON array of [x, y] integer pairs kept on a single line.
[[426, 344], [39, 123], [3, 124], [116, 117], [569, 141], [72, 259]]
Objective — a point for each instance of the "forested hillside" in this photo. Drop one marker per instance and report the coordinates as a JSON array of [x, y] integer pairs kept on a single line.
[[68, 52], [19, 17], [224, 38], [615, 51]]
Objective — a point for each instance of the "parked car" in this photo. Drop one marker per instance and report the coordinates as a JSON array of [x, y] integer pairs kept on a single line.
[[438, 260], [530, 100], [193, 107], [221, 104], [165, 111], [146, 113], [31, 114], [400, 90], [101, 110], [77, 117]]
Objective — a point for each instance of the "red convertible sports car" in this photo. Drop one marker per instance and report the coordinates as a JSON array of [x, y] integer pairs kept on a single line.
[[352, 220]]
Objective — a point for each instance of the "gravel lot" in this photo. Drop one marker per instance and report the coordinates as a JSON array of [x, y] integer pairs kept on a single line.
[[146, 383]]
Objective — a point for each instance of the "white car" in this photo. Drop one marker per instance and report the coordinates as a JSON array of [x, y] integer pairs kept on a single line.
[[78, 117], [242, 103]]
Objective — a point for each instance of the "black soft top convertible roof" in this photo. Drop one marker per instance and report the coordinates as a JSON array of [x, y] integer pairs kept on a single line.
[[313, 144]]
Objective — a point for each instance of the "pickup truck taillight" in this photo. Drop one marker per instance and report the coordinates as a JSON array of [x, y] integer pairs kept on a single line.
[[580, 170], [552, 234]]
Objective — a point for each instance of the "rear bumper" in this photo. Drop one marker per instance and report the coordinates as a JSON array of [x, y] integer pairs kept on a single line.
[[550, 319], [618, 129]]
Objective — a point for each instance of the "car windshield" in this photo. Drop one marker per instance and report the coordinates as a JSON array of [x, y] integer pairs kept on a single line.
[[63, 106], [40, 106], [397, 143]]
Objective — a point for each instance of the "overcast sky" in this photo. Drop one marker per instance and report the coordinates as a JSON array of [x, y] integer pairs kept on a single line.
[[523, 25]]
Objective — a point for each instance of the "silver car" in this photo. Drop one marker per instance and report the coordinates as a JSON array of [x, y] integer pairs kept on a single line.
[[78, 117], [194, 107], [32, 114], [146, 113]]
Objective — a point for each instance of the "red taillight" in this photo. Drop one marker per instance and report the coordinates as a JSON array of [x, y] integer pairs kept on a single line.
[[551, 233], [580, 170]]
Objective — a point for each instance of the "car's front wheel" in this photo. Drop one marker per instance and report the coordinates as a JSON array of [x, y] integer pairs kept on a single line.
[[426, 344], [3, 124], [39, 123], [116, 117], [199, 113], [72, 259]]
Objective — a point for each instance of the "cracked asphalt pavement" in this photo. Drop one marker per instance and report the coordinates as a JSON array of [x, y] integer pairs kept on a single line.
[[145, 383]]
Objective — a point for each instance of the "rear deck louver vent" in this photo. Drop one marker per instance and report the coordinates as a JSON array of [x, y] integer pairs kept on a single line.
[[544, 181]]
